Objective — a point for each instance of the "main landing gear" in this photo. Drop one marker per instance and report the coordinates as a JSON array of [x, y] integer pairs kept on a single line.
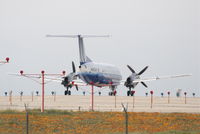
[[113, 90], [67, 92], [130, 93], [112, 93]]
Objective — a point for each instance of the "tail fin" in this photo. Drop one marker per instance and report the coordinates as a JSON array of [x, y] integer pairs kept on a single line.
[[83, 57]]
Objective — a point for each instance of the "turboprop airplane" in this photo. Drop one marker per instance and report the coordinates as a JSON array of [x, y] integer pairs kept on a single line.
[[101, 74]]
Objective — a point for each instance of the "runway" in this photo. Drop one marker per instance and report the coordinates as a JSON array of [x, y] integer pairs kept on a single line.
[[104, 103]]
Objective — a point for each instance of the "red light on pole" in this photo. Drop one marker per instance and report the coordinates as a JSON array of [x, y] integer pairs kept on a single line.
[[7, 59], [42, 71], [42, 109], [168, 96], [185, 93], [115, 94], [63, 72], [151, 92], [21, 72]]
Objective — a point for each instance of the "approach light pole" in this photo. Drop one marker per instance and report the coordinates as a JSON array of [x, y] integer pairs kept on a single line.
[[133, 98], [168, 96], [151, 92], [42, 76], [92, 96], [185, 93], [115, 94]]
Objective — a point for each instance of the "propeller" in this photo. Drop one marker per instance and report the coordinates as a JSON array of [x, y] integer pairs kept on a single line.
[[73, 67], [143, 70], [69, 78], [128, 83]]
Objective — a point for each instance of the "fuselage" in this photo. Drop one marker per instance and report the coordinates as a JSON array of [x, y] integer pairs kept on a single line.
[[100, 74]]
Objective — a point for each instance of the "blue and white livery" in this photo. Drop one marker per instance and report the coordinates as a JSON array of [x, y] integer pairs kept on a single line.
[[101, 74]]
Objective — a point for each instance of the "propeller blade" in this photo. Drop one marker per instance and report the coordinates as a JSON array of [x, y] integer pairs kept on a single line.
[[76, 87], [143, 70], [131, 69], [73, 67], [144, 84]]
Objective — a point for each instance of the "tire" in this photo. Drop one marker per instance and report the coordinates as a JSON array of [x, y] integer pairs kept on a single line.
[[128, 93], [65, 92], [109, 94], [69, 92]]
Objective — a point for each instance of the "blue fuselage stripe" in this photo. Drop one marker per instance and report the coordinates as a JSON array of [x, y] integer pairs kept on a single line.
[[95, 78]]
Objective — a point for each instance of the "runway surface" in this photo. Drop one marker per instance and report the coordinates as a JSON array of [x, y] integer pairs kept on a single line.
[[104, 103]]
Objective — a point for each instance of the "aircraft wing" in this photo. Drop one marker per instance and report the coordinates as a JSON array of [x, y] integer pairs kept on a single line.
[[158, 78], [161, 77]]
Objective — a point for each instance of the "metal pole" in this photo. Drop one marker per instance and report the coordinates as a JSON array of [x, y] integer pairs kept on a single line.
[[185, 99], [27, 119], [115, 101], [133, 100], [27, 123], [54, 96], [151, 92], [10, 97], [126, 118], [168, 98], [42, 109], [32, 96], [151, 100], [92, 98], [126, 114]]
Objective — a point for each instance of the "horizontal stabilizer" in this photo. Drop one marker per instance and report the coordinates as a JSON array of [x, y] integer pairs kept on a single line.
[[76, 36]]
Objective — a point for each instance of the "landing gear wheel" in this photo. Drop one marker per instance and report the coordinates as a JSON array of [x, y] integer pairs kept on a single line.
[[66, 92], [128, 93], [69, 92], [109, 93]]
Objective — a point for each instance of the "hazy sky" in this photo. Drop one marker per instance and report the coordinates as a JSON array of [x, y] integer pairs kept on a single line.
[[163, 34]]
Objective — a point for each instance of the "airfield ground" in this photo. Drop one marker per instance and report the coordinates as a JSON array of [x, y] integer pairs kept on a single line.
[[163, 118], [104, 103]]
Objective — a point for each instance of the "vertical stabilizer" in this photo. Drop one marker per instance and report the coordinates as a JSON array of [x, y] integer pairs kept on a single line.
[[83, 57]]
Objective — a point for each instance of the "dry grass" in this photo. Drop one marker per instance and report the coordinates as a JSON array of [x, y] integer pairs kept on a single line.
[[63, 122]]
